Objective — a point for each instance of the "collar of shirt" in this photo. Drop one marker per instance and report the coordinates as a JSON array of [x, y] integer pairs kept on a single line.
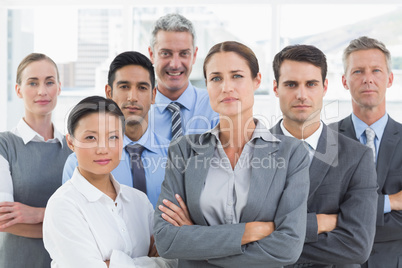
[[378, 126], [312, 140], [27, 134], [260, 131], [186, 99], [150, 141], [91, 193]]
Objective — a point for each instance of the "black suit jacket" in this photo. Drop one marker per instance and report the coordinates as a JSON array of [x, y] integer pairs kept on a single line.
[[387, 249], [343, 182]]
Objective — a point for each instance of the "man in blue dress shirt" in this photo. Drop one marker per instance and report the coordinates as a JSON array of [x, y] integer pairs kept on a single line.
[[367, 76], [173, 53], [131, 84]]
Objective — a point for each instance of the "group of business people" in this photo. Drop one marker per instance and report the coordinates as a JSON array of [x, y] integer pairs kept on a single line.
[[229, 192]]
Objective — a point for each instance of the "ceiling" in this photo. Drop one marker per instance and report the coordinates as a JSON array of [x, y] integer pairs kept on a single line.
[[103, 3]]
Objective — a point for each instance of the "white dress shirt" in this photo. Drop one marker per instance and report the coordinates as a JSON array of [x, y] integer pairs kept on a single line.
[[312, 140], [83, 227], [27, 134]]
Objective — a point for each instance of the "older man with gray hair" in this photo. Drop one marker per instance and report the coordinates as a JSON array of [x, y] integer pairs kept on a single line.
[[367, 65], [180, 108]]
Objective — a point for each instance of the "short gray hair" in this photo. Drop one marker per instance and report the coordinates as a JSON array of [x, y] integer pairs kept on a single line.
[[173, 22], [364, 43]]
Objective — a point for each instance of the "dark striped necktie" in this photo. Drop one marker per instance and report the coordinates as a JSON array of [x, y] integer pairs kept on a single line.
[[137, 168], [174, 108]]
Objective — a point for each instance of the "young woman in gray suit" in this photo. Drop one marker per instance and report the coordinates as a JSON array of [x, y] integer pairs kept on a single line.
[[239, 193]]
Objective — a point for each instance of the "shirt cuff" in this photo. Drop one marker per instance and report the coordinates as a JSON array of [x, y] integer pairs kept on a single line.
[[312, 228], [120, 259], [6, 197], [387, 204]]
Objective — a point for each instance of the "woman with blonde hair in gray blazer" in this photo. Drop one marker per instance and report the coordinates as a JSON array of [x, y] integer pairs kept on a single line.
[[238, 192]]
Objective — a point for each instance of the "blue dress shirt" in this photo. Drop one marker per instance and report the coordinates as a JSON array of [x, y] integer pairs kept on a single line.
[[196, 113], [378, 127], [153, 157]]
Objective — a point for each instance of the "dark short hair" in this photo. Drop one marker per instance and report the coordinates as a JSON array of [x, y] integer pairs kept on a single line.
[[232, 46], [300, 53], [130, 58], [90, 105], [365, 43]]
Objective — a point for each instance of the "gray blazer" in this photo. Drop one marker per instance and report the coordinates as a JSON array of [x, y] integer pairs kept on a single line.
[[387, 249], [343, 182], [277, 193]]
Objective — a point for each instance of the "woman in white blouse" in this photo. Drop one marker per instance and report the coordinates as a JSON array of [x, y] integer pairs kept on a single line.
[[92, 220]]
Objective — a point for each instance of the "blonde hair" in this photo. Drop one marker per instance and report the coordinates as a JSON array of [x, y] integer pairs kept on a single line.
[[32, 58]]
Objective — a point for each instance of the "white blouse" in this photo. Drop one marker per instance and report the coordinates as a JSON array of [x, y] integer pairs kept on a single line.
[[83, 227]]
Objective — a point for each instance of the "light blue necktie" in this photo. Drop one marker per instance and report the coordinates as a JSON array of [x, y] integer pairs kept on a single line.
[[309, 149], [370, 135]]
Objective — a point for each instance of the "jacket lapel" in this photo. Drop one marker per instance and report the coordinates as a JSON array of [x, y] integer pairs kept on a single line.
[[347, 128], [325, 156], [196, 173], [277, 128], [387, 147], [261, 179]]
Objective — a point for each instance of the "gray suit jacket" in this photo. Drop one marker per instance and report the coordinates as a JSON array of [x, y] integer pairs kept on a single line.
[[387, 249], [278, 193], [343, 182]]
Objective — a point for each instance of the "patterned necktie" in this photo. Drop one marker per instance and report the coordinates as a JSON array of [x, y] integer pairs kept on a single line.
[[309, 149], [137, 168], [370, 135], [174, 107]]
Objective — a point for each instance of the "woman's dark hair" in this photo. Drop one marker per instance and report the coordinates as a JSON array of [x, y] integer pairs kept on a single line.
[[242, 50], [90, 105]]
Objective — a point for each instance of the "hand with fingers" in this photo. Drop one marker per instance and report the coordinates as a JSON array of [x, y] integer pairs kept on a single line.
[[396, 201], [176, 215], [326, 222], [12, 213]]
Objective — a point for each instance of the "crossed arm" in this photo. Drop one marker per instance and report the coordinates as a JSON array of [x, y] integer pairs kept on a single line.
[[351, 239], [179, 216], [234, 248], [389, 225], [22, 220]]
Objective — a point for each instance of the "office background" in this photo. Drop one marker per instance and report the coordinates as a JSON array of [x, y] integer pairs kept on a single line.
[[84, 36]]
